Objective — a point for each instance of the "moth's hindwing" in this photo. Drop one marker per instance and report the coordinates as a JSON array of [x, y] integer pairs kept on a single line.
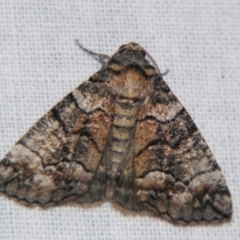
[[124, 136]]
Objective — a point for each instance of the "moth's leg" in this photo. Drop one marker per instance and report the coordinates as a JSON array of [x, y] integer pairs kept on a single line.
[[99, 56]]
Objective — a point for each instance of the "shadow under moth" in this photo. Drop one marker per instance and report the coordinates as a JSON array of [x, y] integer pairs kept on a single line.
[[121, 136]]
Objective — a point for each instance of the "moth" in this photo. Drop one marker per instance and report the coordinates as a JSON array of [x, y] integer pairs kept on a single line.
[[121, 136]]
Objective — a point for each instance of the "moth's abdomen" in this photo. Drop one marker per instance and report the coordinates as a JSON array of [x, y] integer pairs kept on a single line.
[[122, 132], [121, 141]]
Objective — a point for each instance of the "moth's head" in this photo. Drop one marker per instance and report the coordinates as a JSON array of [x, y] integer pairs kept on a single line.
[[131, 47]]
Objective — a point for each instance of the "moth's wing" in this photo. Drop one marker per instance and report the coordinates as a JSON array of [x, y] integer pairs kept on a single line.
[[58, 156], [175, 171]]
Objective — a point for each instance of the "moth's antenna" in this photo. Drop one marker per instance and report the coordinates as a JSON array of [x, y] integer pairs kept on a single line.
[[155, 65], [166, 72], [153, 62], [99, 56]]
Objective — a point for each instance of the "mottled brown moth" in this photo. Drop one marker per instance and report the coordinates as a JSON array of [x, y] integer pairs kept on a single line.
[[122, 136]]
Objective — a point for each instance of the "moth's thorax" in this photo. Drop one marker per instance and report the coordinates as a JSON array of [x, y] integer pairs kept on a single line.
[[130, 84]]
